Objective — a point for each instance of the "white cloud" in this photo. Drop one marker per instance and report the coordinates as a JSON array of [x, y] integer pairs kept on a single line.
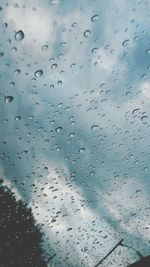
[[36, 24]]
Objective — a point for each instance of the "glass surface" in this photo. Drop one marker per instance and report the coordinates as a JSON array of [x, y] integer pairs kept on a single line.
[[75, 124]]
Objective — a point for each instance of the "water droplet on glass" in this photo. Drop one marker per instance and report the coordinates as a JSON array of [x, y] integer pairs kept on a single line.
[[5, 25], [58, 129], [72, 65], [44, 47], [17, 118], [94, 127], [135, 110], [38, 73], [24, 152], [59, 83], [69, 229], [9, 99], [63, 44], [17, 71], [72, 135], [74, 24], [125, 42], [14, 49], [54, 66], [94, 50], [87, 33], [92, 173], [148, 51], [143, 118], [8, 41], [82, 149], [94, 18], [1, 54], [19, 35], [12, 84]]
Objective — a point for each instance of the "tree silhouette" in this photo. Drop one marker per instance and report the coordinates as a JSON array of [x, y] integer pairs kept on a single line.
[[145, 262], [20, 236]]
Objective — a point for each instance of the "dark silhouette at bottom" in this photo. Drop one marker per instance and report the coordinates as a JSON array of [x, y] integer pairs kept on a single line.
[[145, 262], [20, 237]]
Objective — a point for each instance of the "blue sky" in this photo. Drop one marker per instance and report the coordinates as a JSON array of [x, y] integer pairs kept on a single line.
[[75, 139]]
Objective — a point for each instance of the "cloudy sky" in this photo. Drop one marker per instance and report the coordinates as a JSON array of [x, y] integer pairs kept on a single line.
[[75, 123]]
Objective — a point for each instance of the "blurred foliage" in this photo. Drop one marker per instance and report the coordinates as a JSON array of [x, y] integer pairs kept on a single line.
[[20, 236]]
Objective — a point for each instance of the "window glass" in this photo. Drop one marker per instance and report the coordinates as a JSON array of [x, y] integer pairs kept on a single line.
[[75, 124]]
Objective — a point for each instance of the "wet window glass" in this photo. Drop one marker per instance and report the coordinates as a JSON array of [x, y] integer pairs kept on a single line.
[[74, 133]]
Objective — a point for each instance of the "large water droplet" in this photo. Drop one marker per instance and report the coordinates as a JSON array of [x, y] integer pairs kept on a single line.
[[5, 25], [17, 118], [9, 99], [148, 51], [12, 84], [19, 35], [58, 129], [81, 150], [17, 71], [24, 152], [54, 66], [87, 33], [95, 18], [72, 135], [135, 110], [1, 54], [94, 127], [125, 42], [144, 118], [38, 73], [44, 47]]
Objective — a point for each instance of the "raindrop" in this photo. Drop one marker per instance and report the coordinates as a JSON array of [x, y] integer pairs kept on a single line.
[[59, 83], [94, 127], [94, 18], [17, 71], [125, 42], [58, 129], [72, 135], [143, 118], [148, 51], [24, 152], [69, 229], [135, 110], [17, 118], [74, 25], [5, 25], [38, 73], [8, 41], [54, 66], [12, 84], [14, 49], [19, 35], [44, 47], [1, 54], [9, 99], [94, 50], [87, 33], [63, 44], [72, 65], [82, 149]]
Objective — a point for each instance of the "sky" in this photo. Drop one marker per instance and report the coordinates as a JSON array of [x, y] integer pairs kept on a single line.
[[75, 124]]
